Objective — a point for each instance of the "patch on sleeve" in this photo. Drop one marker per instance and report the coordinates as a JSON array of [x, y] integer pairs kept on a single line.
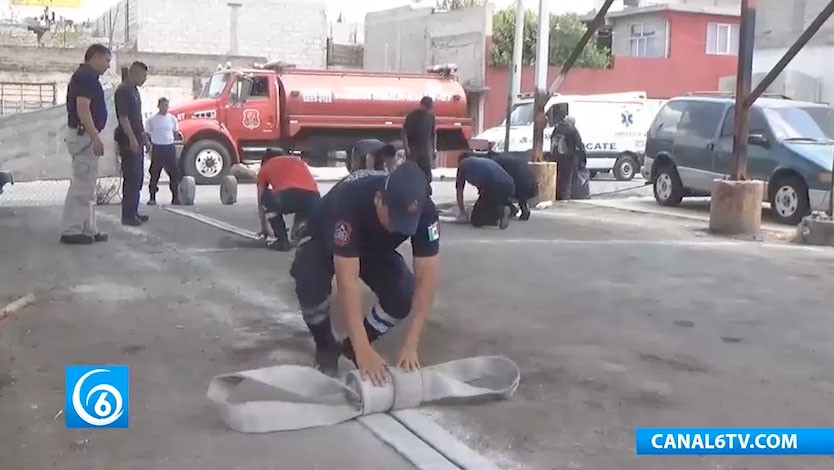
[[434, 232], [341, 234]]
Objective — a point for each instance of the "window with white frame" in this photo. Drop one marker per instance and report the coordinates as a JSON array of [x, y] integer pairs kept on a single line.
[[722, 39], [644, 40]]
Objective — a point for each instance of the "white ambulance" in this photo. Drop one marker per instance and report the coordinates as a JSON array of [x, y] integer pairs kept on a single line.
[[613, 127]]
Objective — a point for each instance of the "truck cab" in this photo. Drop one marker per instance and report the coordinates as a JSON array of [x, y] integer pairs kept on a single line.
[[317, 114]]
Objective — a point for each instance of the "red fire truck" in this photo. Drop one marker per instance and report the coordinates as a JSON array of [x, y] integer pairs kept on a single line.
[[315, 113]]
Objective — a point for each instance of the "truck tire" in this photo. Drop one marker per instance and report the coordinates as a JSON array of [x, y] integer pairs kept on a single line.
[[228, 190], [625, 167], [187, 190], [208, 161]]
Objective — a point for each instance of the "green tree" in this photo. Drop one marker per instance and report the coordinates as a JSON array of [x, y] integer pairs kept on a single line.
[[565, 33], [458, 4]]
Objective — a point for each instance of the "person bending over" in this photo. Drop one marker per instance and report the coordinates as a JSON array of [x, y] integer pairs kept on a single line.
[[523, 179], [353, 234], [285, 186], [495, 188]]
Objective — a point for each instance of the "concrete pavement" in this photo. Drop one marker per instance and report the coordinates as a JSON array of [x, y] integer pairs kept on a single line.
[[618, 320]]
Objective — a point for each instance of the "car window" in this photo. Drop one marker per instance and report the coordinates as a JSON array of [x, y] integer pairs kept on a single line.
[[668, 117], [757, 122], [798, 123], [700, 119]]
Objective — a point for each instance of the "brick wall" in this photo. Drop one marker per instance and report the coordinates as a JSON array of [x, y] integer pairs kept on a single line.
[[291, 30]]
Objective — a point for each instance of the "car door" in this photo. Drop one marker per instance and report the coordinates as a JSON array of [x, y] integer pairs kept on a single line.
[[695, 142], [254, 118], [760, 162]]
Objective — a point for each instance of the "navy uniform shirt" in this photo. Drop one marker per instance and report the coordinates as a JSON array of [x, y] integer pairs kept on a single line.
[[129, 103], [85, 83], [483, 173], [419, 128], [345, 223]]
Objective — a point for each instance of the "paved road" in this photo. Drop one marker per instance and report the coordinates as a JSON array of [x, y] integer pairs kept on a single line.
[[617, 320]]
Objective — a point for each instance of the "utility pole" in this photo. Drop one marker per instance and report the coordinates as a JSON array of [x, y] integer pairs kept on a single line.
[[744, 75], [541, 97], [515, 78]]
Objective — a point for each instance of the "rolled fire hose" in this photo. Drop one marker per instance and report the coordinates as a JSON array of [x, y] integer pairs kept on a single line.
[[306, 398]]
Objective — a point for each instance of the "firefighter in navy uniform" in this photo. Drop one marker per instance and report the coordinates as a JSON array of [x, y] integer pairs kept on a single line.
[[353, 234]]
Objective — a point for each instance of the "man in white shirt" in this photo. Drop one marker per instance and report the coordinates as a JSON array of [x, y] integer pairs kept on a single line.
[[161, 128]]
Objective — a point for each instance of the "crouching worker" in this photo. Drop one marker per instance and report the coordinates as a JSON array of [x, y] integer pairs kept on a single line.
[[495, 189], [285, 186], [353, 234], [523, 179], [373, 154]]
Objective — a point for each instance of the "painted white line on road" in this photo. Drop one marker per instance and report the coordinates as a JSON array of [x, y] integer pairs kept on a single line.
[[682, 243]]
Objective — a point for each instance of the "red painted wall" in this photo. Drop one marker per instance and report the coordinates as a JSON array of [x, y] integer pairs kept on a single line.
[[688, 68]]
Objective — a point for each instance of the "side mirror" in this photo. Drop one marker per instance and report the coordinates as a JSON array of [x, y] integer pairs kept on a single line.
[[757, 139]]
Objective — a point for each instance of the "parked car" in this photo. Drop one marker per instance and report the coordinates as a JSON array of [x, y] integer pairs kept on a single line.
[[690, 144]]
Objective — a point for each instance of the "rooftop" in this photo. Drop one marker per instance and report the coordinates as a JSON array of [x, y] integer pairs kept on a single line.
[[676, 7]]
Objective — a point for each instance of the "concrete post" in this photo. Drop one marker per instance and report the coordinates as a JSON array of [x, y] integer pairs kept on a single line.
[[234, 16]]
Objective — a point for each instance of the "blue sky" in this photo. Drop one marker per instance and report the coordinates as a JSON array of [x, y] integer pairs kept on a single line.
[[355, 12]]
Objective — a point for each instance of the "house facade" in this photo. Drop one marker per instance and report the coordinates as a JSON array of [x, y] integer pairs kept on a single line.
[[809, 76], [664, 50]]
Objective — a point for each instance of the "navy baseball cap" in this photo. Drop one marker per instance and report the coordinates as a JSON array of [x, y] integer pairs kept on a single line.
[[405, 195]]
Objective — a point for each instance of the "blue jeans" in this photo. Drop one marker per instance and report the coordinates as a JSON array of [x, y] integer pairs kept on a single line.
[[133, 174]]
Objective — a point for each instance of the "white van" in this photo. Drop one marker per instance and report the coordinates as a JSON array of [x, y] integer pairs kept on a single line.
[[613, 127]]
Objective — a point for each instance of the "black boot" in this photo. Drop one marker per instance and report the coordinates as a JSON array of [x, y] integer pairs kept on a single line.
[[328, 350]]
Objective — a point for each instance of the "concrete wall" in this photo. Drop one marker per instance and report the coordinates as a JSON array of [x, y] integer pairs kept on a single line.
[[32, 143], [291, 30], [412, 39], [654, 22], [780, 22]]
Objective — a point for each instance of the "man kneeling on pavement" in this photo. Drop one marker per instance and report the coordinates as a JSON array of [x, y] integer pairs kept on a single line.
[[285, 186], [353, 234], [495, 191]]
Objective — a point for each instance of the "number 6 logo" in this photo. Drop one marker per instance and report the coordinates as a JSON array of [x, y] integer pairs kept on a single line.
[[105, 411]]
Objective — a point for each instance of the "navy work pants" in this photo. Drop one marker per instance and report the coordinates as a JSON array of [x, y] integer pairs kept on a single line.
[[294, 201], [164, 157], [133, 175], [385, 272], [490, 204]]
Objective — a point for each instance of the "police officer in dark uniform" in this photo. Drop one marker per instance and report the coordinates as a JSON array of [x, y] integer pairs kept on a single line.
[[132, 140], [86, 117], [353, 233]]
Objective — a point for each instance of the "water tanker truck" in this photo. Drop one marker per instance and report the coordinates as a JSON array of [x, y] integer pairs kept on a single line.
[[318, 114]]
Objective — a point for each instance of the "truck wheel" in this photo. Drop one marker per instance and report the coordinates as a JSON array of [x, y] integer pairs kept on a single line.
[[668, 189], [789, 199], [228, 190], [208, 161], [625, 167]]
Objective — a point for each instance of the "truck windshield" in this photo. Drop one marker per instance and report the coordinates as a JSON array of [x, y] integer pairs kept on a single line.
[[810, 123], [215, 86], [522, 115]]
